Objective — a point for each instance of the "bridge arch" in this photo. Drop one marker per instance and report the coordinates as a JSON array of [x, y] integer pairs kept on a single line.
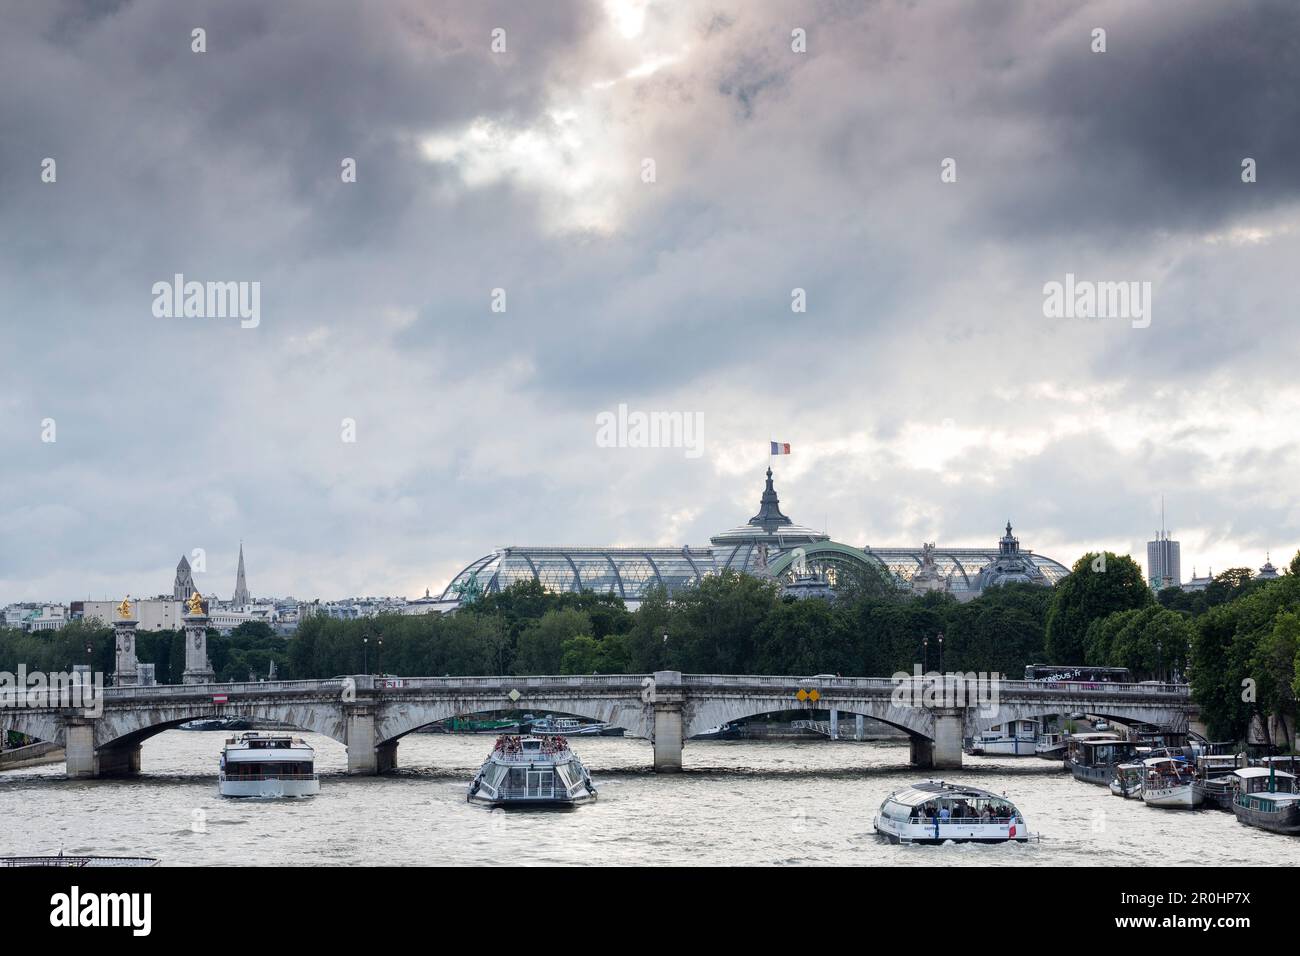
[[703, 716], [133, 727], [399, 719]]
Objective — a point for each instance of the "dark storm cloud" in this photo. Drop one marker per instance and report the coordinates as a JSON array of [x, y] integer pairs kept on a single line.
[[775, 171]]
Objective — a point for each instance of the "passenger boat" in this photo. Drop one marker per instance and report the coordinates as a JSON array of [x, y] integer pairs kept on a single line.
[[936, 812], [1052, 746], [565, 726], [1128, 780], [1093, 757], [720, 732], [1215, 780], [1168, 782], [532, 771], [475, 725], [1267, 798], [268, 765], [1015, 738]]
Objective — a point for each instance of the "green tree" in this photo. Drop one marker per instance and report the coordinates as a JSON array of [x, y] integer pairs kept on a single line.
[[541, 644], [1097, 585]]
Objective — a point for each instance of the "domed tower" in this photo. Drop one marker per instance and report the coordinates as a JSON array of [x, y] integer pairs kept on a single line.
[[750, 547], [1011, 566]]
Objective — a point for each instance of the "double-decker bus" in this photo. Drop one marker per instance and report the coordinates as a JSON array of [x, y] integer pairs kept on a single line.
[[1082, 673]]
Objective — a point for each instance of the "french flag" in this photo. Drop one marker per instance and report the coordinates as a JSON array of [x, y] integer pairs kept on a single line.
[[779, 448]]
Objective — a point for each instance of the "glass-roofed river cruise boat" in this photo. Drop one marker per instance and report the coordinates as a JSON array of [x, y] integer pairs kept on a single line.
[[936, 812], [532, 771]]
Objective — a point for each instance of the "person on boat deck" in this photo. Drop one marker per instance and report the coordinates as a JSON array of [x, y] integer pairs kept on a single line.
[[945, 814]]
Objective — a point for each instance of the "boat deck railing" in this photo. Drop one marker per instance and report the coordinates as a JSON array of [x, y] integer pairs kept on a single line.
[[76, 861], [256, 777], [966, 821], [533, 756]]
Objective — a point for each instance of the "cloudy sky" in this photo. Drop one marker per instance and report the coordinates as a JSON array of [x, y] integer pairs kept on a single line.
[[925, 393]]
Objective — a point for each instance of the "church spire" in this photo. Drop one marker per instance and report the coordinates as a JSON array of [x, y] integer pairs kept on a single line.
[[241, 586]]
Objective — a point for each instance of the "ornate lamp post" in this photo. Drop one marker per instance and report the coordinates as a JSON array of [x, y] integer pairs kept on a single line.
[[365, 653], [941, 652], [925, 652], [380, 642]]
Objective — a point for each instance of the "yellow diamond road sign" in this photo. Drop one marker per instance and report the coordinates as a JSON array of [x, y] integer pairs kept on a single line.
[[514, 695], [814, 694]]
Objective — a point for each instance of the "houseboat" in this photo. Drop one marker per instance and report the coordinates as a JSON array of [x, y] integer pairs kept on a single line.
[[1267, 798], [531, 771], [1215, 779], [1168, 782], [1093, 757], [1052, 746], [1015, 738], [936, 812], [268, 765], [1127, 781]]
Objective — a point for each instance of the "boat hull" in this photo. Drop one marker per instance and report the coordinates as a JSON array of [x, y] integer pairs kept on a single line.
[[1220, 798], [272, 788], [1286, 820], [1007, 747], [534, 802], [931, 835], [1101, 776], [1184, 796], [1127, 793]]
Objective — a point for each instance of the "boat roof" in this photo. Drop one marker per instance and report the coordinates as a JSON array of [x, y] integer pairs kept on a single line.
[[919, 793], [1247, 772], [1129, 766], [1156, 761]]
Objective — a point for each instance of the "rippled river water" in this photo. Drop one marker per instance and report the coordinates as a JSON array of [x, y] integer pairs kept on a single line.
[[738, 802]]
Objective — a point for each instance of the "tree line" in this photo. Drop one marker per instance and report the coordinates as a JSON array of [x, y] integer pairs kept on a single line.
[[1236, 640]]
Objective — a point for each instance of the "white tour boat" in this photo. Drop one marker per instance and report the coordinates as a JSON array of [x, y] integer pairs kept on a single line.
[[565, 727], [1168, 782], [1128, 780], [936, 812], [532, 771], [1015, 738], [268, 765]]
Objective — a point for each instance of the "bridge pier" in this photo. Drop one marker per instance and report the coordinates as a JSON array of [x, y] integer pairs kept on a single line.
[[359, 737], [944, 751], [79, 748], [118, 761], [666, 698]]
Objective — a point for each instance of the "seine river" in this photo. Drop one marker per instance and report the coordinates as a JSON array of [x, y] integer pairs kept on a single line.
[[739, 802]]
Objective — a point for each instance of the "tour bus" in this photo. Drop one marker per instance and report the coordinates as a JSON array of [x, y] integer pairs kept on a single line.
[[1078, 673]]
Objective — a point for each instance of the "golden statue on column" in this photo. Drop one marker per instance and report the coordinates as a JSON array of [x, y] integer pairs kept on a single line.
[[195, 604]]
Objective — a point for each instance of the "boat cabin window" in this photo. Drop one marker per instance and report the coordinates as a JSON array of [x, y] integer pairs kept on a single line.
[[257, 769]]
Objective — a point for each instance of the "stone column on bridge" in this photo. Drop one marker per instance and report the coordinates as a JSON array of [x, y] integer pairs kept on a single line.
[[666, 698], [858, 729], [198, 669], [125, 667], [835, 724]]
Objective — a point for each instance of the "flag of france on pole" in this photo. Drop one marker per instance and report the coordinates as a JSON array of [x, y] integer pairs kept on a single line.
[[779, 448]]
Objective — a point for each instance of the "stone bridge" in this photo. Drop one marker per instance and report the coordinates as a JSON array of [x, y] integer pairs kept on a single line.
[[370, 715]]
